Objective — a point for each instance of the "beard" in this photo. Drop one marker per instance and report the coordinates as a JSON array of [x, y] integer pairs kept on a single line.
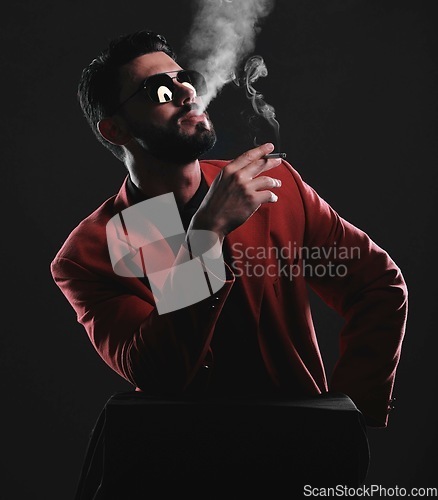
[[171, 143]]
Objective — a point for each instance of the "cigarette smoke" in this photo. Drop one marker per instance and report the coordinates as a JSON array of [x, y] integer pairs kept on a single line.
[[223, 32], [255, 68]]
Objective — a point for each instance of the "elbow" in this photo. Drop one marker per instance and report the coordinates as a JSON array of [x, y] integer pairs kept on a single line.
[[401, 288], [395, 299]]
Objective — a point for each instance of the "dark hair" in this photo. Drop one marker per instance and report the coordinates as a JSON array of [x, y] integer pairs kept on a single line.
[[99, 85]]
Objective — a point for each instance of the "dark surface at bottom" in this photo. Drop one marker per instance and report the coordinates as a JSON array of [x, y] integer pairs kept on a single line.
[[143, 448]]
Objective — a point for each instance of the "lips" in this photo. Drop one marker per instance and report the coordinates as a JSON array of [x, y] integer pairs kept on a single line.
[[193, 116]]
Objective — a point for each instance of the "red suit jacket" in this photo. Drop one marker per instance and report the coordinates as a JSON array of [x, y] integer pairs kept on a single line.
[[165, 354]]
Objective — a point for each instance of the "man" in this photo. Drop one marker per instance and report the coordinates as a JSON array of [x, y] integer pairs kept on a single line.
[[253, 335]]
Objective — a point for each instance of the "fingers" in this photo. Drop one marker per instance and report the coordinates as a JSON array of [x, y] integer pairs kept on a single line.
[[243, 175], [262, 197], [263, 165], [263, 182], [253, 154], [251, 163], [262, 186]]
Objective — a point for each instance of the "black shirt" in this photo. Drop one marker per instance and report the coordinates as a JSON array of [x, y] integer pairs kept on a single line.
[[238, 370]]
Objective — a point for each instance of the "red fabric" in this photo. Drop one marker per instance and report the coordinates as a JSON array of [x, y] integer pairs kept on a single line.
[[164, 354]]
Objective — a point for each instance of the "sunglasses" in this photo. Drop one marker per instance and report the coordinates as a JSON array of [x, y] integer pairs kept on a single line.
[[160, 87]]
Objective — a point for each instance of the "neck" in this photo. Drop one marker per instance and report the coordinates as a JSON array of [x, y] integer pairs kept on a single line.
[[156, 177]]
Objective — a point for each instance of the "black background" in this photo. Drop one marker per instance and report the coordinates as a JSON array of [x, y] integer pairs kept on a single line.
[[353, 83]]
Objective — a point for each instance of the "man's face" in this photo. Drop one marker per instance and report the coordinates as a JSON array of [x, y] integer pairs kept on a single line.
[[176, 130]]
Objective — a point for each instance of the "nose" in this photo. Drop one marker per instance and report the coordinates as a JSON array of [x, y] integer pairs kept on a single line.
[[184, 93]]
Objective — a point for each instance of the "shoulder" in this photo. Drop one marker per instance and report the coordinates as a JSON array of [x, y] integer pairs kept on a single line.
[[213, 164], [211, 168], [88, 238], [87, 241]]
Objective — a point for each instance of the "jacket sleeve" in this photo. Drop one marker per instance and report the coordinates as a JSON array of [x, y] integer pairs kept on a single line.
[[360, 281], [160, 354]]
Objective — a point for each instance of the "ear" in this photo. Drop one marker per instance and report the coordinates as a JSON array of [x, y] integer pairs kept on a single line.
[[110, 130]]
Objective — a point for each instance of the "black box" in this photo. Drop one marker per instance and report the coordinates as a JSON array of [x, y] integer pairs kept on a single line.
[[143, 448]]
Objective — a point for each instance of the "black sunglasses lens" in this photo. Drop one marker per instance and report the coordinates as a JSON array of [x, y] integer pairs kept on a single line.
[[195, 79], [160, 88]]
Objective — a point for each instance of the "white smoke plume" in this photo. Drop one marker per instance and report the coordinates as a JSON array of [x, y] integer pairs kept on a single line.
[[254, 69], [222, 34]]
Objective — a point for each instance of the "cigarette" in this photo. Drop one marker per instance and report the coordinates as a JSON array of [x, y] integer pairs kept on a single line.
[[275, 155]]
